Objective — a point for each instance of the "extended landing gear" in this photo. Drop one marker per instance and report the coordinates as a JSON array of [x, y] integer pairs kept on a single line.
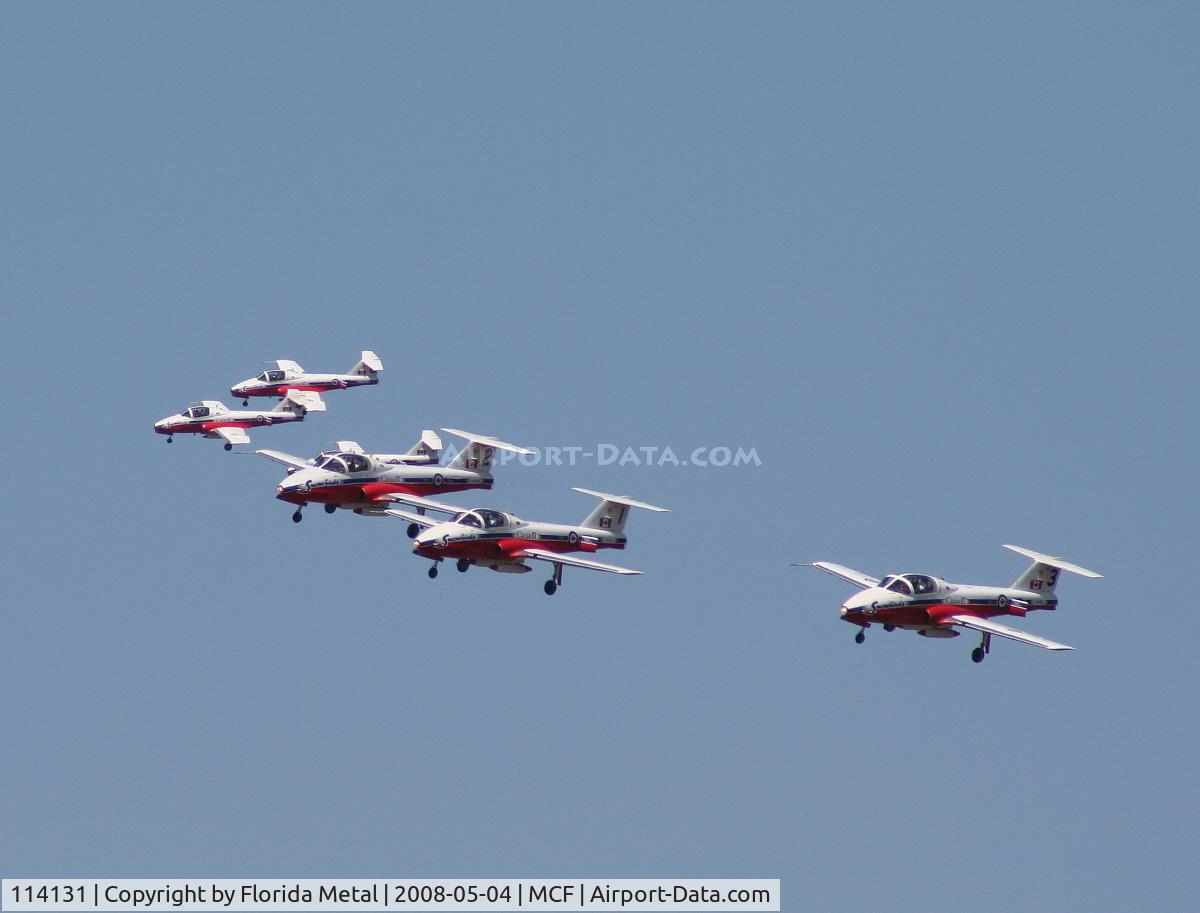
[[432, 571], [330, 508], [889, 628], [228, 446], [245, 402], [550, 587], [463, 565], [413, 529], [860, 637], [297, 516], [170, 438], [984, 648]]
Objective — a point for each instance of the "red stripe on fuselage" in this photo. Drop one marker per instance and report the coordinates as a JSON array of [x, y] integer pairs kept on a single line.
[[511, 548], [282, 389], [925, 615], [372, 492]]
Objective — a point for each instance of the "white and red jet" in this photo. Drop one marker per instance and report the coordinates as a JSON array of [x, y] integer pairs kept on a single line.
[[215, 420], [287, 376], [503, 542], [368, 483], [934, 608]]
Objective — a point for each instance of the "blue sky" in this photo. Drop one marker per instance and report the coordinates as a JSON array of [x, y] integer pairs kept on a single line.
[[935, 263]]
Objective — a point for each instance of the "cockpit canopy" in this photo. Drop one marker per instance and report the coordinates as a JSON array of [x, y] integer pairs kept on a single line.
[[197, 412], [909, 584], [271, 377], [482, 519], [344, 462]]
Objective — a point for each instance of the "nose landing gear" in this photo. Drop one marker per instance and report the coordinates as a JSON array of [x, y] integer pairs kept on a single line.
[[433, 571], [170, 438], [297, 516], [860, 637]]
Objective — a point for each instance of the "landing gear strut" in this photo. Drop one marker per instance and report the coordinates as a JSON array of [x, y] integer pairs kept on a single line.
[[860, 637], [433, 571], [330, 508], [297, 516], [552, 585], [984, 648], [463, 565]]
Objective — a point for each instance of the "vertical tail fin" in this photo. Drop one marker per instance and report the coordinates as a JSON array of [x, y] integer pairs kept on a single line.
[[480, 452], [368, 366], [301, 402], [428, 448], [1042, 575], [612, 511]]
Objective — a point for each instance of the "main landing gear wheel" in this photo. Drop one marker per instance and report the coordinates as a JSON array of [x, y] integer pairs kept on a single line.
[[463, 565], [550, 587], [860, 637], [228, 446], [297, 516], [432, 572], [413, 529], [170, 439], [889, 628], [977, 655], [330, 508], [245, 402]]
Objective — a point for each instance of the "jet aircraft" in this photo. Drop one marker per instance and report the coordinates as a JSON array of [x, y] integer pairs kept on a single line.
[[935, 608], [504, 542], [213, 419], [368, 483], [287, 375]]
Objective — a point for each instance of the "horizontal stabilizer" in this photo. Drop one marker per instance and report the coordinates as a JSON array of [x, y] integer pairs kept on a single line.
[[305, 400], [987, 626], [621, 499], [858, 578], [571, 561], [488, 441], [1053, 561]]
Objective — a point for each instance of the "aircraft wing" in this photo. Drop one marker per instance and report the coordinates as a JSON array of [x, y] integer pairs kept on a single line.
[[427, 503], [230, 435], [858, 578], [987, 626], [285, 458], [571, 561], [421, 521]]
